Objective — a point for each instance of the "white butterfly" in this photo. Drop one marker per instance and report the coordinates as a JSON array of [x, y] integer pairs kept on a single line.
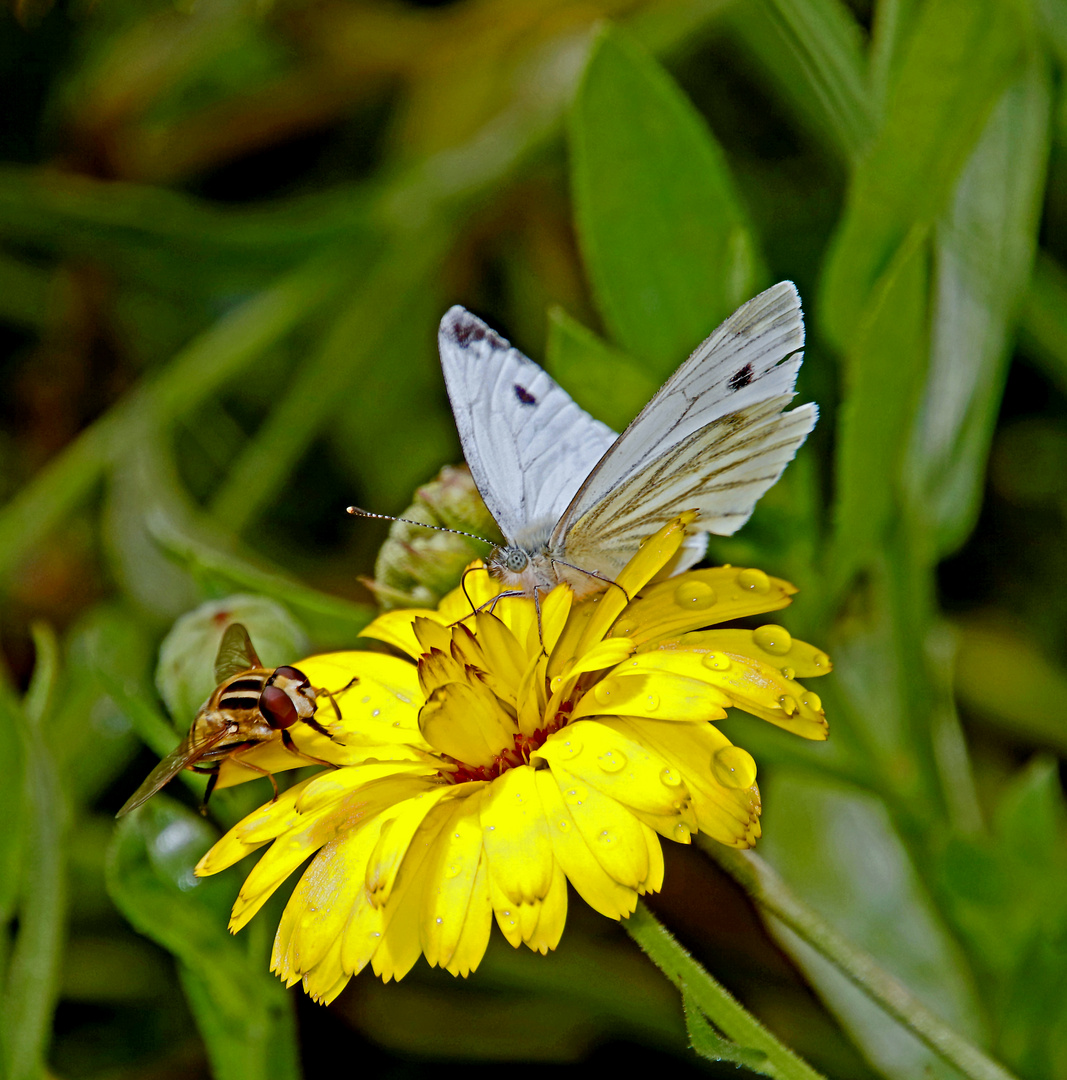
[[573, 500]]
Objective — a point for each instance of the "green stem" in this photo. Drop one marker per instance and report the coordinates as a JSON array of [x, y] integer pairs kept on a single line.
[[713, 999], [772, 894]]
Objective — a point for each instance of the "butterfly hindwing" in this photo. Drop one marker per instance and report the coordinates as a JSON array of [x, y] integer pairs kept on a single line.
[[528, 444]]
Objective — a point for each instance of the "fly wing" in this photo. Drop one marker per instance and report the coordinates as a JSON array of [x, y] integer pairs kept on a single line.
[[235, 654], [188, 752], [713, 439], [528, 445]]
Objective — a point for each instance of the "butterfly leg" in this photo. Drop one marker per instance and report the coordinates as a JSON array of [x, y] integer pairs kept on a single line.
[[594, 574]]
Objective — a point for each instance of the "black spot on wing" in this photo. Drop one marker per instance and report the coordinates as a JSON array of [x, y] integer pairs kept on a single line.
[[468, 330], [524, 395], [740, 378]]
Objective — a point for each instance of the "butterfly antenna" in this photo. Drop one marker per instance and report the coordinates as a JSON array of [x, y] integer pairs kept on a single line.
[[355, 511]]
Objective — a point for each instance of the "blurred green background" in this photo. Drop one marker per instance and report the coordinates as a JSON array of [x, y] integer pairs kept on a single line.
[[227, 231]]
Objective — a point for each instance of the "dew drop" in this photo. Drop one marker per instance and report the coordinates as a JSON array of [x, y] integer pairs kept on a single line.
[[716, 661], [652, 702], [453, 869], [697, 595], [575, 796], [789, 673], [563, 824], [820, 659], [366, 699], [606, 836], [623, 628], [376, 712], [605, 690], [753, 580], [788, 704], [812, 701], [568, 748], [682, 832], [734, 767], [611, 761], [670, 777], [556, 683], [439, 920], [773, 639], [375, 934]]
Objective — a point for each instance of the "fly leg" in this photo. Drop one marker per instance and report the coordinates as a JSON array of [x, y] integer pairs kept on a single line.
[[332, 695], [290, 745]]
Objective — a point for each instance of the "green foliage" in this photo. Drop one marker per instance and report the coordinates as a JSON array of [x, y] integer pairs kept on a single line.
[[227, 232]]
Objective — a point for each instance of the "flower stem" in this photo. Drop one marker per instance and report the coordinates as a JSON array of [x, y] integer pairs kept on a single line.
[[771, 893], [711, 998]]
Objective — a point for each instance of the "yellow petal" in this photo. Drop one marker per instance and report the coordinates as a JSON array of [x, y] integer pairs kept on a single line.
[[617, 765], [700, 598], [474, 937], [466, 721], [591, 881], [450, 873], [614, 836], [515, 836], [653, 554], [397, 832], [397, 628], [728, 813], [789, 654]]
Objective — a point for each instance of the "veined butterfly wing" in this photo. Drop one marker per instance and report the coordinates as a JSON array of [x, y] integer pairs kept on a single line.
[[528, 445], [714, 438]]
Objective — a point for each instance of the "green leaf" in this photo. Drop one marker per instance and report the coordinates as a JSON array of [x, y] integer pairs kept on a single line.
[[956, 64], [813, 50], [663, 234], [883, 372], [1044, 319], [243, 1012], [30, 987], [984, 251], [838, 850], [186, 672], [604, 381]]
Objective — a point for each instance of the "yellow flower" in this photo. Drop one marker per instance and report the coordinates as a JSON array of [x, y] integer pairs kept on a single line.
[[508, 757]]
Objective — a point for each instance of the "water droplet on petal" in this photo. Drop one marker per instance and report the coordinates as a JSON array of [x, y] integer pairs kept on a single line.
[[453, 869], [812, 701], [556, 683], [652, 702], [682, 832], [366, 699], [670, 777], [820, 659], [623, 628], [753, 580], [568, 748], [788, 704], [716, 661], [789, 673], [604, 691], [773, 639], [563, 824], [575, 796], [694, 594], [606, 836], [376, 712], [611, 761], [439, 920], [734, 767]]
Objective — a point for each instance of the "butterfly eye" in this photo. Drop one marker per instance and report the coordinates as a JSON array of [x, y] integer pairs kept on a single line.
[[515, 560], [277, 708]]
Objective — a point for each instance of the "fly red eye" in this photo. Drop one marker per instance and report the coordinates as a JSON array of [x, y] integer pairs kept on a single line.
[[277, 708], [291, 673]]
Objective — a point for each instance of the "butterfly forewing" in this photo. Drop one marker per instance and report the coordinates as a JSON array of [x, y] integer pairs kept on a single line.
[[713, 439], [528, 445], [235, 654]]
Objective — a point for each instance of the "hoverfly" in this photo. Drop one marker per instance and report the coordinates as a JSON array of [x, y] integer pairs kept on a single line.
[[249, 706]]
